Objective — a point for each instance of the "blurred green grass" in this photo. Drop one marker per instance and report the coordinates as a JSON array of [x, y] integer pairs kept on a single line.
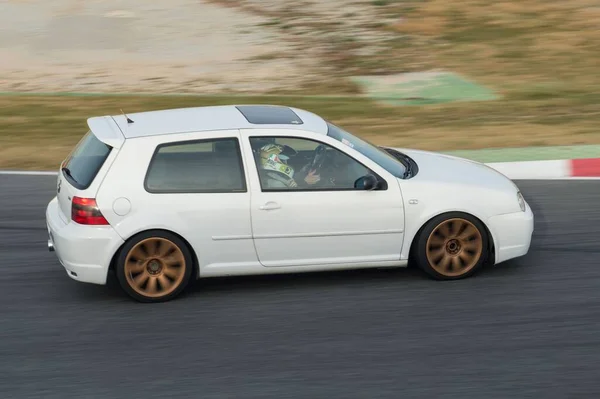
[[39, 131]]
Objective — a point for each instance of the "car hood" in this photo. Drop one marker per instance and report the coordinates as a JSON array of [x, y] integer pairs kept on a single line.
[[444, 168]]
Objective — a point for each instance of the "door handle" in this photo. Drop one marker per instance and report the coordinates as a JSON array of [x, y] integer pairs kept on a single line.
[[269, 206]]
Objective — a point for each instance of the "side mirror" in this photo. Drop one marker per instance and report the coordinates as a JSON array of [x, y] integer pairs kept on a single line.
[[368, 182]]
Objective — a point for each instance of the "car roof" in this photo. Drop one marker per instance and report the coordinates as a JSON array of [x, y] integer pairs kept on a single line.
[[207, 118]]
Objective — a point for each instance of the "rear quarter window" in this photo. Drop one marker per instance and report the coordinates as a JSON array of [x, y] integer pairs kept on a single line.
[[202, 166], [82, 165]]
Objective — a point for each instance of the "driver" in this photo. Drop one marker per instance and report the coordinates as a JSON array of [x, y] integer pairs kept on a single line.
[[273, 160]]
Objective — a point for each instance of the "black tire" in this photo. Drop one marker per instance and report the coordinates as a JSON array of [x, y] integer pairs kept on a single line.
[[466, 254], [162, 257]]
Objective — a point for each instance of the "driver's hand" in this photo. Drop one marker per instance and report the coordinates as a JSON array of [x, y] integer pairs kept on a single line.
[[311, 177]]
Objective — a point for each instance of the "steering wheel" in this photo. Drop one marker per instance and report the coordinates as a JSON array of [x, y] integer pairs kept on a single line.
[[318, 158], [320, 162]]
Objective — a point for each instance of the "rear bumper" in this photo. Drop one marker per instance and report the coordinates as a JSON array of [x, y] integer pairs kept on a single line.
[[85, 252], [512, 234]]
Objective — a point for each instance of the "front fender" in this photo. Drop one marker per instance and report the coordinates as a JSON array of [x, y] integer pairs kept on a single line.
[[414, 227], [423, 202]]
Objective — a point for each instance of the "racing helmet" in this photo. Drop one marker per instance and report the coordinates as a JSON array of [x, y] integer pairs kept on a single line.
[[272, 158]]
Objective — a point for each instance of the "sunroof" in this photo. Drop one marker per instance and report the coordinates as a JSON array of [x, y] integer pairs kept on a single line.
[[269, 115]]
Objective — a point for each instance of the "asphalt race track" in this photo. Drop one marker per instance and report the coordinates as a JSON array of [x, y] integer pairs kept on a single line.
[[528, 328]]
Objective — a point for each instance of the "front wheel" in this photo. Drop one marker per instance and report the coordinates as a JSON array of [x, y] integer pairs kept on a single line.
[[154, 266], [452, 246]]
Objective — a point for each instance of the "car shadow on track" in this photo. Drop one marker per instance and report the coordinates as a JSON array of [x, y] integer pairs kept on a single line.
[[310, 280], [301, 283], [334, 279], [260, 283]]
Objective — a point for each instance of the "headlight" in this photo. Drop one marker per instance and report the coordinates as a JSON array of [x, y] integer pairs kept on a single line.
[[521, 201]]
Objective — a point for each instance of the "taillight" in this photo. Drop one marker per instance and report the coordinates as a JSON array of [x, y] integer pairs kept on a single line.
[[85, 211]]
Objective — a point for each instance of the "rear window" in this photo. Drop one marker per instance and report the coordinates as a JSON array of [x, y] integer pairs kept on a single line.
[[83, 164]]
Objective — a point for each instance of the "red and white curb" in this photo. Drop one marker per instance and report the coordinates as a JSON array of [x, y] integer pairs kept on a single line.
[[525, 170], [546, 170]]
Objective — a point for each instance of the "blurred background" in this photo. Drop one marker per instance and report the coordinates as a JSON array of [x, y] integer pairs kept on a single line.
[[444, 75]]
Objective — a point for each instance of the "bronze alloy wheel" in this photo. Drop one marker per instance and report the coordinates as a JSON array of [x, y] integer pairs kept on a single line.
[[454, 247], [155, 267]]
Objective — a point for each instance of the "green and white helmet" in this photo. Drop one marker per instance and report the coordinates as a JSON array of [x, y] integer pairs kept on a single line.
[[272, 158]]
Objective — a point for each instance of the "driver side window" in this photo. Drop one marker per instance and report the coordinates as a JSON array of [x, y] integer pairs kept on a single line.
[[300, 164]]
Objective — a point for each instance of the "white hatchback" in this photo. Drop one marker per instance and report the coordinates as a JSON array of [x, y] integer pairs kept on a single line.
[[165, 197]]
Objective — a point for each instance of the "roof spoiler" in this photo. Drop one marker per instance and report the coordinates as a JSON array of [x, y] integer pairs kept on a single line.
[[106, 130]]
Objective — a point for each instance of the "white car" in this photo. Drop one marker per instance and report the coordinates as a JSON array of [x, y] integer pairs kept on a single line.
[[166, 197]]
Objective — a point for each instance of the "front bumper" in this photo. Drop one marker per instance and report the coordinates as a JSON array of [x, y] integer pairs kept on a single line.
[[512, 234], [84, 251]]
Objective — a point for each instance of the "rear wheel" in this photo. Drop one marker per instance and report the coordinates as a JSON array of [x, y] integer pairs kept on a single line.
[[154, 266], [452, 246]]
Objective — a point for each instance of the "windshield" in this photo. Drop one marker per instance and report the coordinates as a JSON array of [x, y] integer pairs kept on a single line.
[[376, 154]]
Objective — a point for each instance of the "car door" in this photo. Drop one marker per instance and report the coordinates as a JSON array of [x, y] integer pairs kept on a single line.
[[328, 224]]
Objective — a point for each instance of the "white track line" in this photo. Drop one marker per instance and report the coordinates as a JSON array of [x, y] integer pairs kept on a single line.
[[27, 173]]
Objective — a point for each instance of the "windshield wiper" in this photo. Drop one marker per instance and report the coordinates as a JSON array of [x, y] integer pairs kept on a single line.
[[67, 171], [408, 171], [403, 159]]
